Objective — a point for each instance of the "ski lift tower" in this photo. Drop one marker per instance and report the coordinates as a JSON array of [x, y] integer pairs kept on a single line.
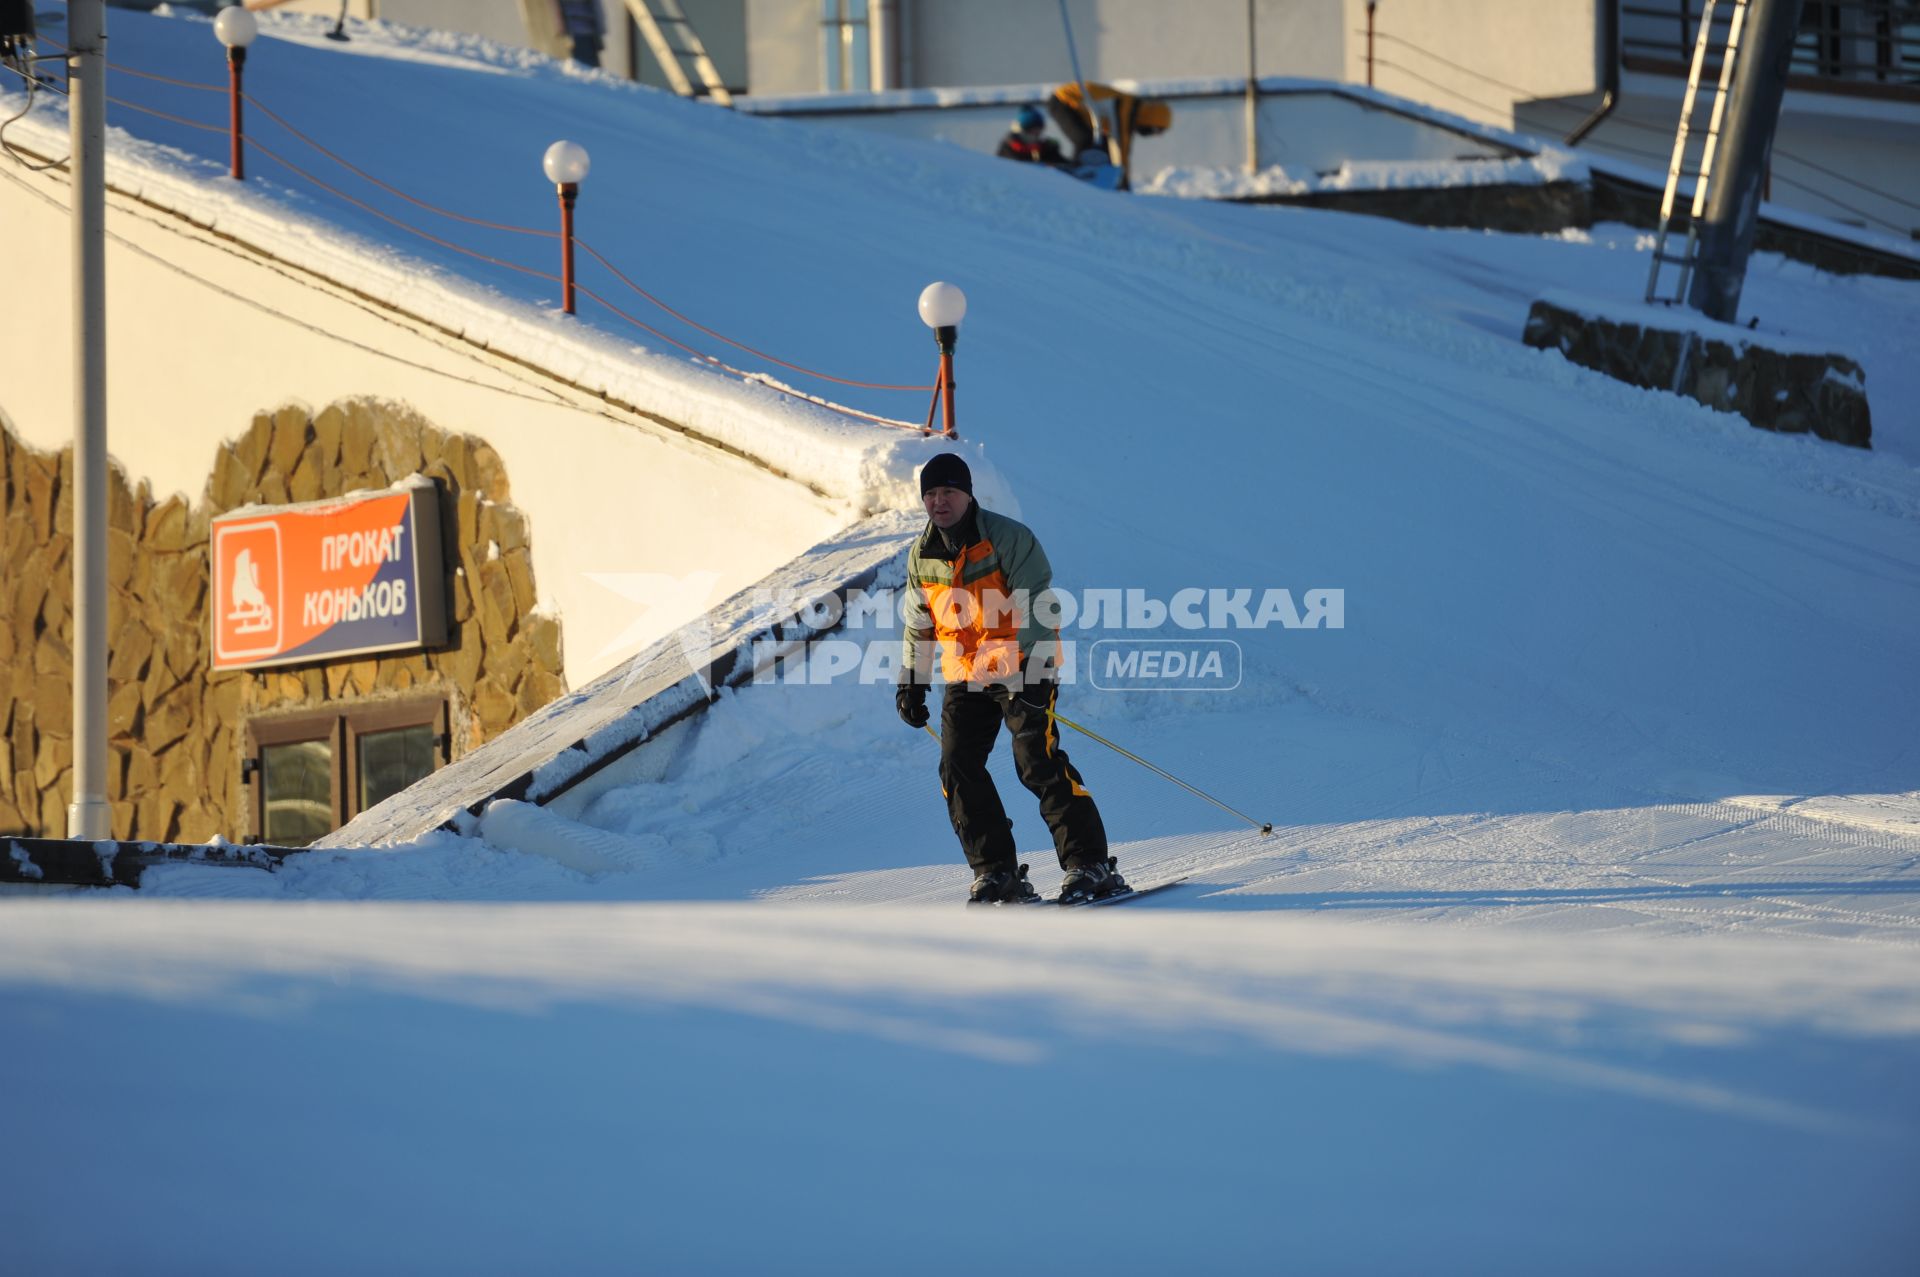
[[1746, 46]]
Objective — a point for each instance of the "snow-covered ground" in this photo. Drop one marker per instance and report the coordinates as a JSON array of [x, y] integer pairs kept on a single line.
[[1588, 937]]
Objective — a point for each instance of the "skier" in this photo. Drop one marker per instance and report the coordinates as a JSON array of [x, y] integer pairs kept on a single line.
[[973, 578], [1127, 115], [1025, 141]]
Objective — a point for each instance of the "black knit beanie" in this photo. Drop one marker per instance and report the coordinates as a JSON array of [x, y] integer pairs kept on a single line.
[[946, 471]]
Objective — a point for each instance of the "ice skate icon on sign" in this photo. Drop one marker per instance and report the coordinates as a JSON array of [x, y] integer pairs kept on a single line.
[[251, 613], [249, 616]]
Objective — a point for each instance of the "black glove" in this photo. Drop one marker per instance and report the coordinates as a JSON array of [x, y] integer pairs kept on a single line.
[[910, 699]]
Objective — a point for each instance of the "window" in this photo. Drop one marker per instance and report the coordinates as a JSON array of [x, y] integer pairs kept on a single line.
[[1868, 46], [1875, 40], [846, 56], [313, 772]]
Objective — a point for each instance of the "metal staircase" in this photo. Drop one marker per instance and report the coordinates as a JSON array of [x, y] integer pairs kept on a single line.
[[677, 47], [1689, 143]]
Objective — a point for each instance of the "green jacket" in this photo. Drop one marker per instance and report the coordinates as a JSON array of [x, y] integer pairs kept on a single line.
[[978, 602]]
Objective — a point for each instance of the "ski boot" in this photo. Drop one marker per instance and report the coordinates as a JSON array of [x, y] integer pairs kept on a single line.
[[1095, 880], [1002, 887]]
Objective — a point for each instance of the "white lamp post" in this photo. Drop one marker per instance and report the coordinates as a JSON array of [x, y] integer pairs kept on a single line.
[[566, 165], [942, 307], [236, 28], [88, 815]]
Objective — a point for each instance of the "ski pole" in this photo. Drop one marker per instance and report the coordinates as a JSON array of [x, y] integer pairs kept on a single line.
[[1264, 829]]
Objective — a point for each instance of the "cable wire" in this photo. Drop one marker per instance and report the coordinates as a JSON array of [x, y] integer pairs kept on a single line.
[[552, 278], [391, 189], [388, 187], [33, 82], [595, 253]]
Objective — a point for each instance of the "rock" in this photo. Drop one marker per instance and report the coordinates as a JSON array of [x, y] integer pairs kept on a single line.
[[288, 441], [493, 708], [119, 608], [495, 604], [120, 554], [543, 637], [63, 494], [337, 679], [457, 453], [230, 483], [53, 658], [127, 654], [182, 775], [184, 654], [357, 437], [53, 814], [489, 472], [460, 665], [1792, 391], [122, 514], [466, 527], [181, 580], [250, 449], [397, 450], [143, 774], [170, 717], [366, 676], [199, 824], [122, 820], [462, 596], [328, 429], [222, 767], [305, 485], [153, 817], [520, 576], [55, 756], [538, 688], [504, 525], [226, 698], [38, 492], [506, 662], [12, 821], [123, 710], [272, 489], [53, 705], [167, 526]]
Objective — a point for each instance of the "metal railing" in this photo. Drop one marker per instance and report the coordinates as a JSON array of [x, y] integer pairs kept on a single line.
[[1854, 45]]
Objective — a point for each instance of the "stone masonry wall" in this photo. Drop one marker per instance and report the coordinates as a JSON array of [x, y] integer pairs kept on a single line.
[[177, 728], [1790, 392]]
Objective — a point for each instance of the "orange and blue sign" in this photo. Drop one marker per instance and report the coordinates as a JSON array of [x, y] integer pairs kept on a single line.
[[328, 578]]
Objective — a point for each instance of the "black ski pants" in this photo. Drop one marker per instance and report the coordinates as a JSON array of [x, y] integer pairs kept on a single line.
[[969, 725]]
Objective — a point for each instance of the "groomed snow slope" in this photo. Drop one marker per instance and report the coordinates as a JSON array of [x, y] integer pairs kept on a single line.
[[1586, 939]]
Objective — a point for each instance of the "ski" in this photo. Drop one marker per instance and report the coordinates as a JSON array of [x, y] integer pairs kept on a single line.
[[1120, 897]]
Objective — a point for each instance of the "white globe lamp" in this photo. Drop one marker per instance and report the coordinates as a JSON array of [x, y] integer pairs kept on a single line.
[[566, 163], [236, 27], [942, 305]]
